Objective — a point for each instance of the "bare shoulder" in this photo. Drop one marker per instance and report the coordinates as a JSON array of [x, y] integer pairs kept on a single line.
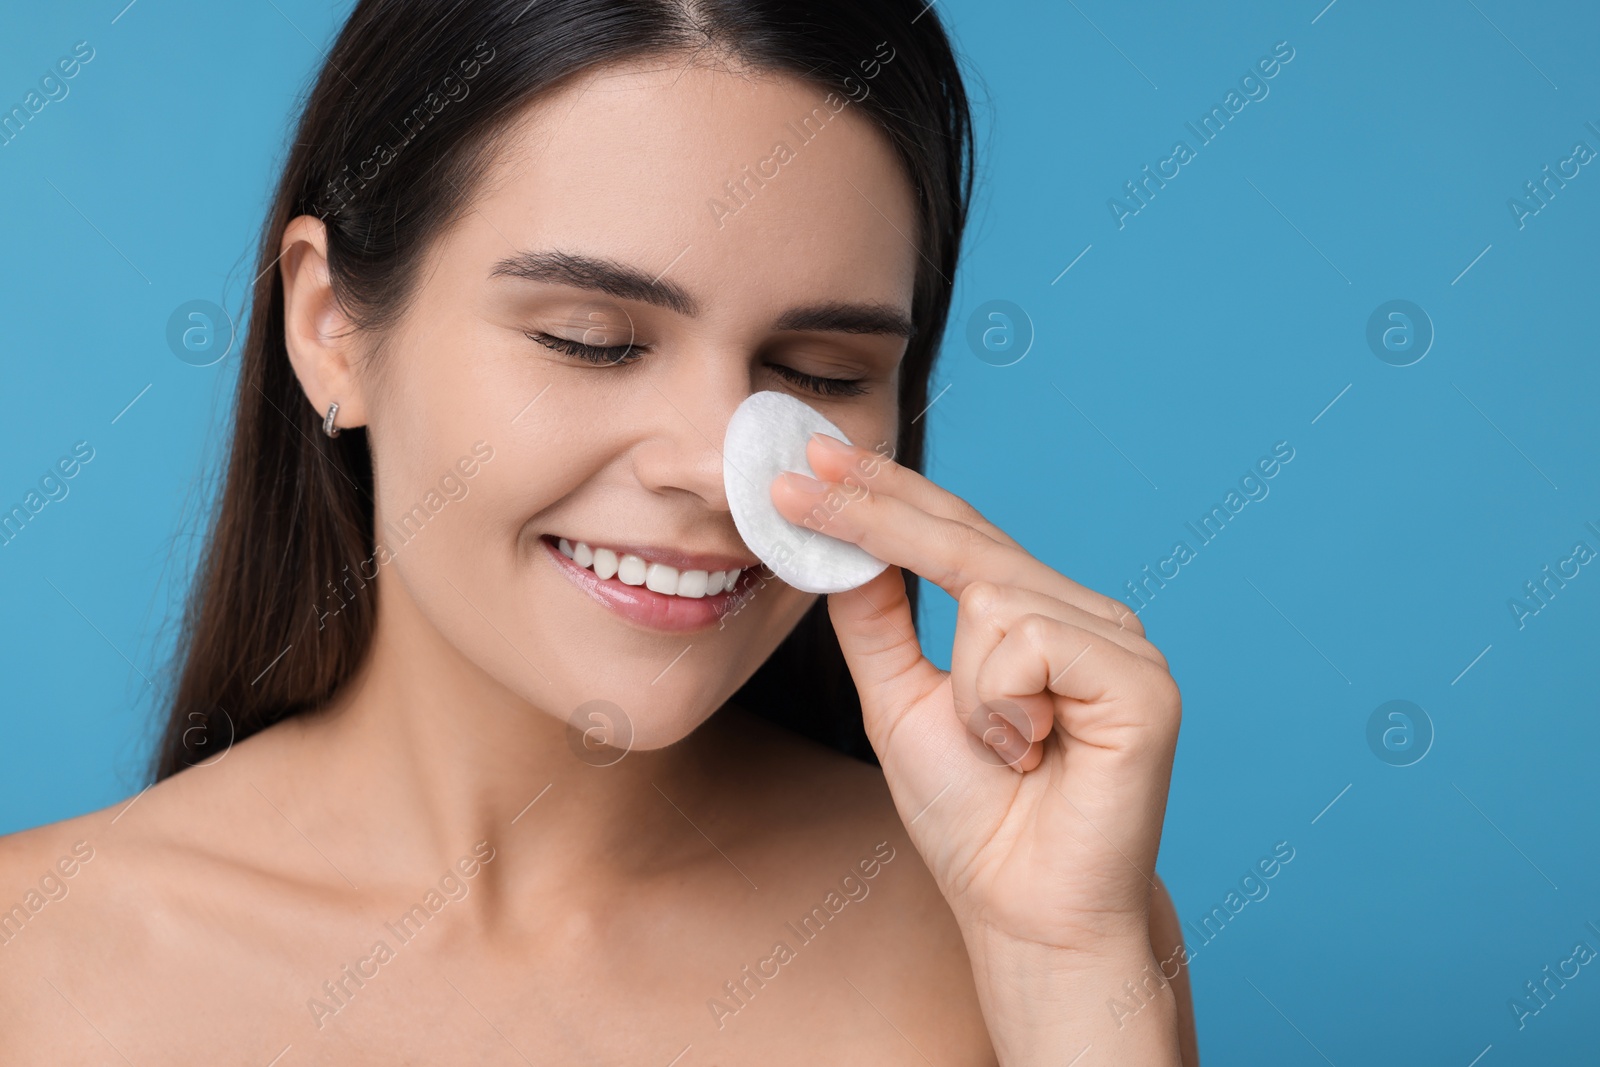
[[39, 868], [89, 901], [53, 882], [838, 839]]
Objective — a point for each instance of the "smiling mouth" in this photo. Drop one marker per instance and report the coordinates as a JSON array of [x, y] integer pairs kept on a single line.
[[645, 603], [638, 569]]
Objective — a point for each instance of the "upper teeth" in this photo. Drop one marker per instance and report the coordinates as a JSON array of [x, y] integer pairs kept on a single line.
[[635, 570]]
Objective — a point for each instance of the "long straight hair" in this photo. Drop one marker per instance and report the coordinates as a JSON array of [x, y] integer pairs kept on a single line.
[[402, 122]]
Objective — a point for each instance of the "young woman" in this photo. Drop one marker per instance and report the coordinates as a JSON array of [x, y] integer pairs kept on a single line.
[[442, 781]]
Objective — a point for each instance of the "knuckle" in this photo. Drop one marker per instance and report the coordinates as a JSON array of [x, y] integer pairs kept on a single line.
[[880, 461], [979, 598], [1122, 615], [959, 535], [1166, 696], [1036, 629], [965, 512], [959, 542]]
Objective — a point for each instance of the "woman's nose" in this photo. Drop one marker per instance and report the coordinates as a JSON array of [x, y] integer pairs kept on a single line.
[[685, 450]]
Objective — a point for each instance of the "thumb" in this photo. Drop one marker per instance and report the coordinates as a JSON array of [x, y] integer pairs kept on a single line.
[[879, 639]]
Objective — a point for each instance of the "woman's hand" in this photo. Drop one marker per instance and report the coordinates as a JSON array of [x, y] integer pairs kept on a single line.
[[1032, 776]]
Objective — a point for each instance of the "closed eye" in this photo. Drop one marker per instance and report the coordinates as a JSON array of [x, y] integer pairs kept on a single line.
[[612, 355], [601, 354], [820, 385]]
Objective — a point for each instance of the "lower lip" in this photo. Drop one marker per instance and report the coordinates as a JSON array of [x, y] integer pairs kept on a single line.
[[643, 605]]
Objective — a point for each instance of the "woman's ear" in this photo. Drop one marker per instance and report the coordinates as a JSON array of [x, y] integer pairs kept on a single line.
[[319, 336]]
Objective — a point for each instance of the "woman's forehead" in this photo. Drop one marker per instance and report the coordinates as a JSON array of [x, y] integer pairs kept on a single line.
[[725, 179]]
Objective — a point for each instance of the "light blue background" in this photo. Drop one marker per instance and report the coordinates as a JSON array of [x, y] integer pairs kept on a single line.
[[1224, 317]]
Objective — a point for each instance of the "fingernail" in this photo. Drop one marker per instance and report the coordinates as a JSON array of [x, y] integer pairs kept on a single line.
[[833, 444], [804, 483]]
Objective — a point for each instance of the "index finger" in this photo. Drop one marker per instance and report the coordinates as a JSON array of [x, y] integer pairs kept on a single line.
[[854, 465], [950, 554], [841, 461]]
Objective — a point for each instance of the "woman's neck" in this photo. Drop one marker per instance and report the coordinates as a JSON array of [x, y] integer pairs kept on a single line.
[[428, 755]]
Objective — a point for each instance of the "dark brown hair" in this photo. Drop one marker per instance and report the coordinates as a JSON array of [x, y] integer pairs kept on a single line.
[[401, 123]]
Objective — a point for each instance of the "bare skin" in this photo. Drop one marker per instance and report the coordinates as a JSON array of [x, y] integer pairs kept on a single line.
[[607, 907]]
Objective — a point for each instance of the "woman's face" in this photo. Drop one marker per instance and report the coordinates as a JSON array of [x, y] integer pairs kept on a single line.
[[683, 211]]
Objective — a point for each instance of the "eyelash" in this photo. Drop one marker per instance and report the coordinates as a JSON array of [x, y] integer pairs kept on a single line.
[[612, 355]]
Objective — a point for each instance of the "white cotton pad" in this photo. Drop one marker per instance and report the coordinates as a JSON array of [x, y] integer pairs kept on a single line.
[[766, 436]]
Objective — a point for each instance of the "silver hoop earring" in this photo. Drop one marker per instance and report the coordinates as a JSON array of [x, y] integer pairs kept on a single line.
[[327, 423]]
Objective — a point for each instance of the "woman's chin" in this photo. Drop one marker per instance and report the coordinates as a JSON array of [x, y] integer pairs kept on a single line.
[[601, 731]]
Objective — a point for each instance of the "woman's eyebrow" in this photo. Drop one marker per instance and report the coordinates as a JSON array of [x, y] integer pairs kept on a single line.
[[847, 318], [602, 275], [630, 283]]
